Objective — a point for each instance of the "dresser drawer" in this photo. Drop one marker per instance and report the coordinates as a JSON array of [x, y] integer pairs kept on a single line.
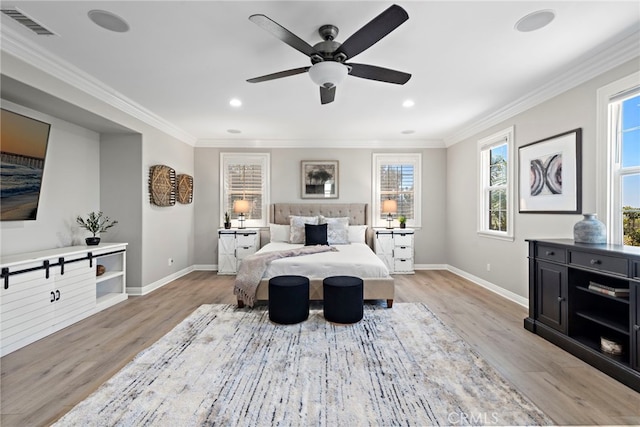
[[600, 262], [403, 265], [551, 253], [403, 239], [403, 252]]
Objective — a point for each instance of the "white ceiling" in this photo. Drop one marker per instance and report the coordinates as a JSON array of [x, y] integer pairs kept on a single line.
[[182, 61]]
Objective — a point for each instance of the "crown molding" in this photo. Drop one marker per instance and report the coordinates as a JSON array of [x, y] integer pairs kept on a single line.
[[25, 50], [299, 143], [583, 70]]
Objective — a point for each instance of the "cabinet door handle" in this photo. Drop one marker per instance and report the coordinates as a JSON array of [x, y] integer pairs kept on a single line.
[[560, 299], [595, 261], [53, 297], [57, 294], [636, 327], [549, 253]]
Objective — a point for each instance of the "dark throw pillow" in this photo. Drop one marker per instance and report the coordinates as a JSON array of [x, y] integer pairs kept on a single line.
[[315, 234]]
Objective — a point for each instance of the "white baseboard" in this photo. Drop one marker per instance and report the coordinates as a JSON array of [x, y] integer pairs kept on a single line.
[[159, 283], [490, 286], [205, 267], [478, 281], [430, 266]]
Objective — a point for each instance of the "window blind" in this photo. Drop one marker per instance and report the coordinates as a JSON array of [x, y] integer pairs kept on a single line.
[[245, 181], [397, 183]]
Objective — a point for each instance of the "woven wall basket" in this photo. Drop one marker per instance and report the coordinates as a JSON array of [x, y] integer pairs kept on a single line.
[[162, 185], [185, 188]]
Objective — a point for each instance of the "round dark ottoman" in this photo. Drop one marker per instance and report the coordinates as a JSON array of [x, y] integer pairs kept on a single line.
[[343, 299], [288, 299]]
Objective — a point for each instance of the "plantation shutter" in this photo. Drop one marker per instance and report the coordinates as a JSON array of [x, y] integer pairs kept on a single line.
[[397, 183], [245, 182], [245, 177]]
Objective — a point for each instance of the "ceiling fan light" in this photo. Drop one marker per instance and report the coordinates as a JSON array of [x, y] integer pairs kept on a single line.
[[328, 73]]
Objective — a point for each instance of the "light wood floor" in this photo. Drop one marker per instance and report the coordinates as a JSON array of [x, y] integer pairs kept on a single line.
[[44, 380]]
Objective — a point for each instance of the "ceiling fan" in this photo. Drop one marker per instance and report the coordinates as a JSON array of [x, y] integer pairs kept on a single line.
[[328, 57]]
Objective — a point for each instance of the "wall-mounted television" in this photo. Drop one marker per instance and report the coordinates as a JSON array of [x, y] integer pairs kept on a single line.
[[23, 148]]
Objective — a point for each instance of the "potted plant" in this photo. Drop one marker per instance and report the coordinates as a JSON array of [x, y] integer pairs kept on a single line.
[[95, 222], [403, 221], [227, 221]]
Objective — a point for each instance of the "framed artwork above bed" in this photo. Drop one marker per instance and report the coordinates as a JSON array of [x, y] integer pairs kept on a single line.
[[319, 179]]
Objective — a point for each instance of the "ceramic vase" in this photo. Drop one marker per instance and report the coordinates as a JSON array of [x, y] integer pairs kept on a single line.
[[590, 230]]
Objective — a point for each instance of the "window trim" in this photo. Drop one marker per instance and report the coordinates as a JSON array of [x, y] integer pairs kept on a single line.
[[378, 159], [484, 146], [264, 159], [606, 197]]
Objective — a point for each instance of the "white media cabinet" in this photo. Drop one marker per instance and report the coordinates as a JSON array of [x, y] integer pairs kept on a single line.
[[45, 291]]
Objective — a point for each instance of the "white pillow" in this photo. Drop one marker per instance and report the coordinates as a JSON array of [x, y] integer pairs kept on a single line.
[[337, 230], [358, 234], [279, 232], [297, 223]]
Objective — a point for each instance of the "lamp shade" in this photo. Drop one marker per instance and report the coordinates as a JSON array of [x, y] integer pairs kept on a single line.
[[241, 206], [389, 206], [328, 73]]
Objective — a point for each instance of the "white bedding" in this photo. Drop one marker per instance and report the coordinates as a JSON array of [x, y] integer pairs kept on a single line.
[[355, 259]]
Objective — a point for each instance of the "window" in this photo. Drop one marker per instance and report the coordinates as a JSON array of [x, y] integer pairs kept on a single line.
[[397, 177], [495, 213], [624, 143], [245, 176]]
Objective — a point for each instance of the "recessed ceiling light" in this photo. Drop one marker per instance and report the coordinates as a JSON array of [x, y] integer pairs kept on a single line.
[[235, 102], [408, 132], [535, 20], [234, 131], [408, 103], [108, 21]]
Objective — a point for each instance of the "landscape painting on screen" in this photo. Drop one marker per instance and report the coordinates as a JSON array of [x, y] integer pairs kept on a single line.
[[23, 146]]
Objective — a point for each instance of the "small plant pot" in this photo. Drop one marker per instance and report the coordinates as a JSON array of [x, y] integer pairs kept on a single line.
[[227, 225], [92, 241], [403, 225]]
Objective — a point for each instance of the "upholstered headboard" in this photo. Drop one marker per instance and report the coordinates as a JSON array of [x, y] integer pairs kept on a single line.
[[357, 212]]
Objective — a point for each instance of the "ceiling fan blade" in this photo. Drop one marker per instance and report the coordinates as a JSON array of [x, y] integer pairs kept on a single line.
[[279, 75], [373, 72], [372, 32], [327, 95], [283, 34]]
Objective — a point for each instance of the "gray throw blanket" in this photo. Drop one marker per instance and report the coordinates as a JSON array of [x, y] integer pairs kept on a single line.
[[253, 267]]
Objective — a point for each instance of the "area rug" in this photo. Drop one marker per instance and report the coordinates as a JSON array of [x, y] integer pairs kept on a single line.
[[228, 366]]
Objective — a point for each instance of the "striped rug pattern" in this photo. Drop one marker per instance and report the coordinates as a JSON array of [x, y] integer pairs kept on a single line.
[[228, 366]]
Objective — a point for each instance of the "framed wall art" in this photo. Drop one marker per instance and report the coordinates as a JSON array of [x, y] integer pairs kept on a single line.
[[319, 179], [550, 174]]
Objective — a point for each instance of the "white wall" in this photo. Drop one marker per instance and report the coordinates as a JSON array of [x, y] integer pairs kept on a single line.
[[470, 253], [355, 175], [70, 187]]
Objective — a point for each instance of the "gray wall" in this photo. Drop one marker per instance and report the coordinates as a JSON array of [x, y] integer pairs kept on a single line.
[[121, 196], [355, 176], [470, 253], [70, 187]]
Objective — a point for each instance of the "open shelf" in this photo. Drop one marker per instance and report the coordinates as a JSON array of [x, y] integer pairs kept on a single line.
[[604, 321], [624, 300]]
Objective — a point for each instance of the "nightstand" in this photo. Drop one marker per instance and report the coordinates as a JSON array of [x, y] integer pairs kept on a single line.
[[234, 245], [395, 248]]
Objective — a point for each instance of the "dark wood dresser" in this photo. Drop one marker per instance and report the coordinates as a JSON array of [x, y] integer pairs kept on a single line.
[[582, 297]]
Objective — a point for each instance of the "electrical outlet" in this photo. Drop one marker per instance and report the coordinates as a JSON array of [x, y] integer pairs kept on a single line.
[[488, 267], [170, 261]]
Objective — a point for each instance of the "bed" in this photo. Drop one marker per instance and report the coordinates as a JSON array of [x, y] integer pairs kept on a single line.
[[355, 259]]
